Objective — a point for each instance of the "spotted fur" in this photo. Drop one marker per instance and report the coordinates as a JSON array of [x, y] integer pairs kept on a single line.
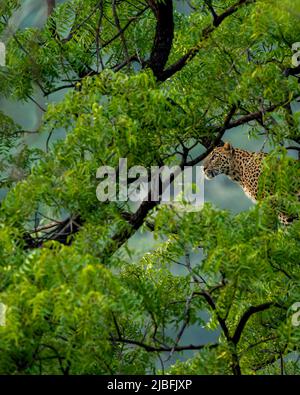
[[241, 166]]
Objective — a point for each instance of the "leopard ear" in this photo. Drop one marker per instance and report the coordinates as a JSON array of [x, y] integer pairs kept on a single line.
[[227, 146]]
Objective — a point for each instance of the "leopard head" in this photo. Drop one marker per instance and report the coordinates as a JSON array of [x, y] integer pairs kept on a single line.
[[218, 161]]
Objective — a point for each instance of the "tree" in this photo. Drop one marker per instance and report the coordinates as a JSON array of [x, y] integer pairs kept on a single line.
[[148, 83]]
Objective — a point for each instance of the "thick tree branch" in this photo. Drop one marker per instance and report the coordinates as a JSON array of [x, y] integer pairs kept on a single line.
[[246, 316], [211, 9], [164, 34], [177, 66], [209, 299], [63, 232], [50, 6]]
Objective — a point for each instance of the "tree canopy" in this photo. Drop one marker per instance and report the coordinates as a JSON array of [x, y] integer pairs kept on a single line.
[[154, 82]]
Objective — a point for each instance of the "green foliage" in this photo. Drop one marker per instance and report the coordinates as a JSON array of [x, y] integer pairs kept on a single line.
[[93, 306], [280, 184]]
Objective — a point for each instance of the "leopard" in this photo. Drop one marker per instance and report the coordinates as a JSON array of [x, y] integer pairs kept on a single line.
[[241, 166]]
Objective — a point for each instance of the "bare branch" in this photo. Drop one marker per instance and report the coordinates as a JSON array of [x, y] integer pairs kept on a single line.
[[123, 29], [184, 325], [151, 348]]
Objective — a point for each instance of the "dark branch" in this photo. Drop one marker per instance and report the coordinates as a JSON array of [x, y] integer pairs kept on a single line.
[[75, 27], [211, 143], [177, 66], [246, 316], [151, 348], [164, 34], [212, 10], [50, 6], [120, 30], [211, 303], [126, 62], [254, 116], [123, 29]]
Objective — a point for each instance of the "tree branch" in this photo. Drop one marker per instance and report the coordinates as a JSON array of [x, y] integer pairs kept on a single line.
[[120, 30], [65, 231], [177, 66], [211, 303], [246, 316], [123, 29], [164, 34], [211, 9], [151, 348], [211, 143], [50, 6]]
